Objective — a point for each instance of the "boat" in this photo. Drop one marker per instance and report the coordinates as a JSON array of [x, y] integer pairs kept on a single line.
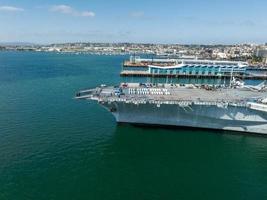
[[236, 107]]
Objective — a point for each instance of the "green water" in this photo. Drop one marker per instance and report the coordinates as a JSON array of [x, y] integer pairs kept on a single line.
[[55, 147]]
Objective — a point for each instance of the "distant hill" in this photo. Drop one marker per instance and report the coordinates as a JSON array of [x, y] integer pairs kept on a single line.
[[16, 44]]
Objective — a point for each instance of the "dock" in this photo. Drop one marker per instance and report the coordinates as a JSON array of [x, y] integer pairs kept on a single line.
[[135, 73], [191, 68]]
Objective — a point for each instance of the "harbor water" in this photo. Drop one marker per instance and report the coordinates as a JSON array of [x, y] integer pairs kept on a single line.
[[55, 147]]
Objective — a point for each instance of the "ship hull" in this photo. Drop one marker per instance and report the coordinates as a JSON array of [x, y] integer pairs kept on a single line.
[[198, 116]]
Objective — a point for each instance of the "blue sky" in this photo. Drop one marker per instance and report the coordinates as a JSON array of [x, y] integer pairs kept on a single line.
[[168, 21]]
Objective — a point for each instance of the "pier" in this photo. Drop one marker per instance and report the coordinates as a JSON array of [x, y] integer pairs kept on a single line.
[[191, 68], [128, 73]]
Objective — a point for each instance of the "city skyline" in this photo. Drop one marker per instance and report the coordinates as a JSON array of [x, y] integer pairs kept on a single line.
[[187, 22]]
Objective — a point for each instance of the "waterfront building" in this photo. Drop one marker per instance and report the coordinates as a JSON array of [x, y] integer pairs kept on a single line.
[[201, 67], [263, 54], [185, 67]]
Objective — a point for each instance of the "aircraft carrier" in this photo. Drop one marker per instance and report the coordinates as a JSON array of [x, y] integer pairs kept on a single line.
[[236, 107]]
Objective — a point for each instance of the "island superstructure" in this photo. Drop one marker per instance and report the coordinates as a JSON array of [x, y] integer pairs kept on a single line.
[[236, 107]]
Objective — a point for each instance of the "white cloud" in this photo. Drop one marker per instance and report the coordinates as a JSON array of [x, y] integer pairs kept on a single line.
[[10, 9], [88, 14], [65, 9], [62, 9]]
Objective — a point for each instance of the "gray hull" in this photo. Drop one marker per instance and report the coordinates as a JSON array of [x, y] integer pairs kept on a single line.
[[199, 116]]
